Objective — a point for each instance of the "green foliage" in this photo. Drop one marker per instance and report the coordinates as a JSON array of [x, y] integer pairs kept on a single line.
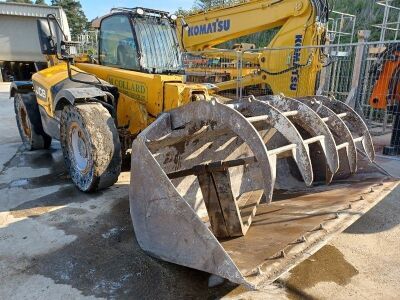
[[76, 17], [207, 4], [368, 14], [182, 12], [201, 5], [260, 39]]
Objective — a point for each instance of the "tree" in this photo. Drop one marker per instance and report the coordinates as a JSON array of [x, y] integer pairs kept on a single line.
[[76, 17], [368, 14], [207, 4], [40, 2]]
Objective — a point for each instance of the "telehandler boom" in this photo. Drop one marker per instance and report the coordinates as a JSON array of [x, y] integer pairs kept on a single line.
[[203, 169]]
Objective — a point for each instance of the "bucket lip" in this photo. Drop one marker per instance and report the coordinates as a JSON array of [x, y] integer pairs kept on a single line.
[[299, 250]]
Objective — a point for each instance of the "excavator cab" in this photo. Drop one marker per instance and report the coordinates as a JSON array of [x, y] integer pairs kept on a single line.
[[141, 40]]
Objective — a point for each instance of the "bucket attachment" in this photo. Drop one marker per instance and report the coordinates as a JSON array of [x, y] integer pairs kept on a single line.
[[203, 177]]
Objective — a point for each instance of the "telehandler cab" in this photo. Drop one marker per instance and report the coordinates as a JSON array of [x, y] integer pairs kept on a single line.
[[203, 169]]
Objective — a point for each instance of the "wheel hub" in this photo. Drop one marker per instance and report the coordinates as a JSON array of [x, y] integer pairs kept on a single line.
[[79, 149]]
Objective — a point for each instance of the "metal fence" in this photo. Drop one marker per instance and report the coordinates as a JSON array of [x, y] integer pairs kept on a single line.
[[365, 75], [87, 42]]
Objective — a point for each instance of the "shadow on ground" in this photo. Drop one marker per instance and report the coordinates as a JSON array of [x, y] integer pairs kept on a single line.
[[106, 261]]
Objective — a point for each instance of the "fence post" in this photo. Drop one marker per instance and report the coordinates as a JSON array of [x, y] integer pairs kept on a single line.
[[241, 76], [324, 77], [237, 75], [363, 36]]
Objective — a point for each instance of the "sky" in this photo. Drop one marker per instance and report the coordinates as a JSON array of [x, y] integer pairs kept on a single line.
[[94, 8]]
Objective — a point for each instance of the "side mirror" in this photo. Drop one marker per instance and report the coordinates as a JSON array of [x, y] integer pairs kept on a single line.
[[47, 44], [51, 36]]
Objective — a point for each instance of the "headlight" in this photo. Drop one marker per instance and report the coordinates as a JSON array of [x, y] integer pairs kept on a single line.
[[140, 11]]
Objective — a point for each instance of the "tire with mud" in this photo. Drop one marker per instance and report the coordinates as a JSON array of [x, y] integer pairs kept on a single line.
[[91, 146], [29, 122]]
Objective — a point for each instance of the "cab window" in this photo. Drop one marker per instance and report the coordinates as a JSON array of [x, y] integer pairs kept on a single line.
[[117, 45]]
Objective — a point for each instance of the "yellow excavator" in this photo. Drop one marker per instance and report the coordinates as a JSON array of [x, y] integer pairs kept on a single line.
[[204, 169], [286, 65]]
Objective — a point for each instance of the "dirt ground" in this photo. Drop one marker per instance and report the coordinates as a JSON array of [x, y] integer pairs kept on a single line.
[[58, 243]]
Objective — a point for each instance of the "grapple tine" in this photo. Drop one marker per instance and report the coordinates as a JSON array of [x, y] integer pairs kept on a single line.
[[354, 122], [343, 137], [308, 120], [276, 120], [222, 116]]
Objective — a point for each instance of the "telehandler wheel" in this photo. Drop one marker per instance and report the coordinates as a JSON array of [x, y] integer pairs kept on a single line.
[[29, 122], [91, 146]]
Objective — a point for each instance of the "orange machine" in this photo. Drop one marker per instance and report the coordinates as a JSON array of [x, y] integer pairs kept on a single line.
[[386, 91]]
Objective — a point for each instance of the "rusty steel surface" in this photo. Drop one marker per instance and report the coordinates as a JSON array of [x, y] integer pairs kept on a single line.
[[203, 178]]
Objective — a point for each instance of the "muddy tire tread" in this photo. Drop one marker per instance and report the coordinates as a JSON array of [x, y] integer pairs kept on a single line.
[[38, 139], [105, 148]]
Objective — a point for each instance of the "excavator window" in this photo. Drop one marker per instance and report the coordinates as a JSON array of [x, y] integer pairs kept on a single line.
[[141, 43], [158, 44], [118, 47]]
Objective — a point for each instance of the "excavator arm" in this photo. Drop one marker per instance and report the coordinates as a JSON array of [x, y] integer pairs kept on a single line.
[[386, 90], [292, 69]]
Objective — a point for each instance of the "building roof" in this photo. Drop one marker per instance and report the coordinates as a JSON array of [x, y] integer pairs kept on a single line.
[[27, 10]]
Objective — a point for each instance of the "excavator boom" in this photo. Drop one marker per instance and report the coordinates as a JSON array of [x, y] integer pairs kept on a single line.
[[292, 70], [204, 30]]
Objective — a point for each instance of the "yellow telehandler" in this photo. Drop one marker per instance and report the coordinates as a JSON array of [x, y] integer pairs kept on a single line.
[[204, 169]]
